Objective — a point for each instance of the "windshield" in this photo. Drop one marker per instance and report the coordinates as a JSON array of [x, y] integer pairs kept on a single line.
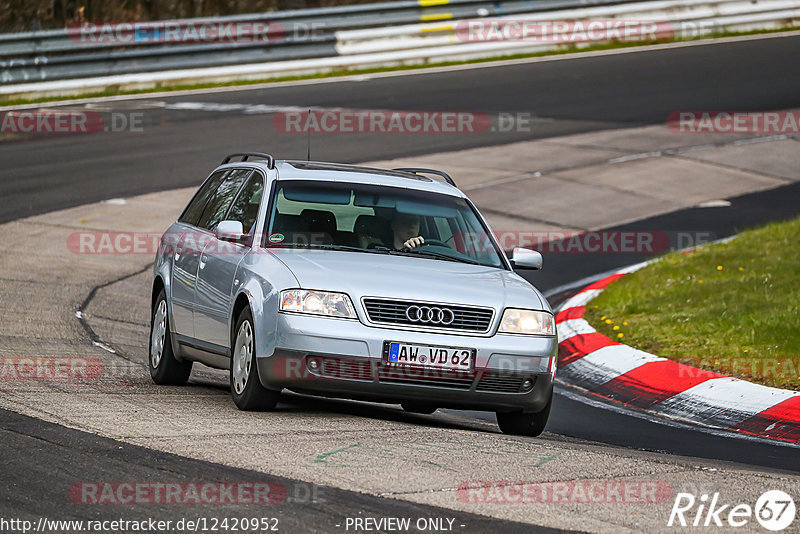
[[378, 219]]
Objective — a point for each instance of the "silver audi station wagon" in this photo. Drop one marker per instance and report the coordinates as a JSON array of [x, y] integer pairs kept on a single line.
[[346, 281]]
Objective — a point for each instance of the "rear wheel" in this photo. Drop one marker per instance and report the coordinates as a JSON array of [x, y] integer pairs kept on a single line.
[[165, 369], [418, 407], [524, 424], [246, 389]]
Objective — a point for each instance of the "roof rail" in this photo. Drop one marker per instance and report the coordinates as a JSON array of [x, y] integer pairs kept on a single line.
[[245, 155], [428, 171]]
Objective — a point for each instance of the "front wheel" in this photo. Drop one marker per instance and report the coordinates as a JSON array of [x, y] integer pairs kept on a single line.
[[165, 369], [524, 424], [246, 389]]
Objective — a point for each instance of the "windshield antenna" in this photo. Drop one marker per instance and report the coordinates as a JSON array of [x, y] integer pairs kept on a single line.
[[308, 136]]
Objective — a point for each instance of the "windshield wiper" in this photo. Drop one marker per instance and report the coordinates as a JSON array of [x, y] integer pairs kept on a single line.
[[440, 256], [380, 250], [325, 246]]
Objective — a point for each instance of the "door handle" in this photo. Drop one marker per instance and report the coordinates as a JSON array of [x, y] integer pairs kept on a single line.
[[203, 260]]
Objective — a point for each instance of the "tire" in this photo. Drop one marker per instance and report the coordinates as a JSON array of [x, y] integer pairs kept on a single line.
[[418, 407], [165, 369], [246, 389], [524, 424]]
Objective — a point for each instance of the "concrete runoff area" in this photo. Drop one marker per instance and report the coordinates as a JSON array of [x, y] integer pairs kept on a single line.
[[373, 448]]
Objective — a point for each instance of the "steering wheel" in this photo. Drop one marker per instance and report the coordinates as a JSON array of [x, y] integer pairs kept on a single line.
[[427, 242], [435, 242]]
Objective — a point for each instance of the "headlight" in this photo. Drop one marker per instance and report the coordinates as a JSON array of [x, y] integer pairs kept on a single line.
[[516, 321], [317, 303]]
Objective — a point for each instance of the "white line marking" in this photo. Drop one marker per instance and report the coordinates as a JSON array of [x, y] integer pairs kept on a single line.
[[635, 267], [606, 364], [247, 109], [714, 399], [573, 327], [104, 347], [583, 282], [764, 139], [632, 157], [714, 204], [581, 299]]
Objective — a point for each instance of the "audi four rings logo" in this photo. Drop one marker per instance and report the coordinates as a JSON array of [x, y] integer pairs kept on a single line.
[[429, 314]]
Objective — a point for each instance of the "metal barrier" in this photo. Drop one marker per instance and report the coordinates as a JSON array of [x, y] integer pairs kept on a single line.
[[299, 34], [314, 40]]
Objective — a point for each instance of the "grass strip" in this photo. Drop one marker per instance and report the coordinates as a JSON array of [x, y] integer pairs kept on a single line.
[[733, 308]]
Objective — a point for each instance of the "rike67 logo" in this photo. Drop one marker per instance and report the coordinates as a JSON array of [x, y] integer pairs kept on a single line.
[[774, 510]]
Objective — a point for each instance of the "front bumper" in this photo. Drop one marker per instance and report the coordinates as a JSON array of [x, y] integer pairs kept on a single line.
[[344, 358]]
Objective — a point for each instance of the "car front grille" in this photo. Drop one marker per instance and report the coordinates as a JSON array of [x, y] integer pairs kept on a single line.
[[500, 382], [429, 377], [463, 318]]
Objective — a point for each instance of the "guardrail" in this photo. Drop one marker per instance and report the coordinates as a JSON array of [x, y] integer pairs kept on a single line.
[[311, 33], [671, 19], [314, 40]]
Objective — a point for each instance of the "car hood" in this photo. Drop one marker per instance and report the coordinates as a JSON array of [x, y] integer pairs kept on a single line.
[[405, 277]]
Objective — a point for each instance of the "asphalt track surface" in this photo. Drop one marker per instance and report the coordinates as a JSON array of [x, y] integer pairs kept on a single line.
[[178, 148], [39, 458]]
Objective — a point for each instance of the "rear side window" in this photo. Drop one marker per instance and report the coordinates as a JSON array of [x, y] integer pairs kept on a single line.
[[219, 203], [191, 215], [245, 207]]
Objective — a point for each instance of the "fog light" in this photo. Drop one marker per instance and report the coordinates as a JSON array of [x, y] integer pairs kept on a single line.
[[527, 385], [313, 364]]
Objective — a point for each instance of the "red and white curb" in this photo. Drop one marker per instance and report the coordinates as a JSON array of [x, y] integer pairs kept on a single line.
[[595, 363]]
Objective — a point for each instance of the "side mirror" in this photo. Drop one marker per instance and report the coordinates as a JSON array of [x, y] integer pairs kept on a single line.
[[230, 231], [523, 258]]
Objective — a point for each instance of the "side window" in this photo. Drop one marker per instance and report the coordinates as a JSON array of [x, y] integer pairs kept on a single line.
[[195, 208], [223, 197], [245, 207]]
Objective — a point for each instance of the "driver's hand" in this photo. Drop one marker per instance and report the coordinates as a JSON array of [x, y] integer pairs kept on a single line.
[[414, 242]]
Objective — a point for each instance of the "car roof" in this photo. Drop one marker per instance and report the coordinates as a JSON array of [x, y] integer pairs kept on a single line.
[[339, 172]]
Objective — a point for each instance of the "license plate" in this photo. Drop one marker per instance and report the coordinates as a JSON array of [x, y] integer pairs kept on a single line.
[[411, 354]]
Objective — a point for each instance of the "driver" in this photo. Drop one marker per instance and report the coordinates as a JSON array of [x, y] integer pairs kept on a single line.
[[405, 228]]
